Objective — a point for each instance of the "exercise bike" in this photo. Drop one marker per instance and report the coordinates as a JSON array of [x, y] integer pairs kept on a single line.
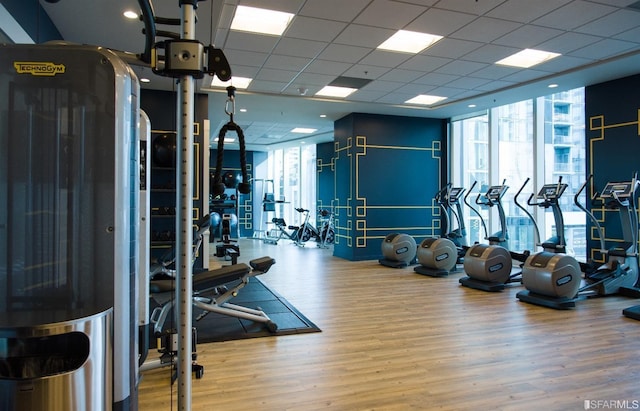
[[489, 266]]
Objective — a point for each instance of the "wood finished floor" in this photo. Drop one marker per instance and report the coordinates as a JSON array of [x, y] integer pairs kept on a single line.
[[395, 340]]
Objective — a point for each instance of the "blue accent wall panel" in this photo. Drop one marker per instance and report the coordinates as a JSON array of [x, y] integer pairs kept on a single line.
[[612, 113], [387, 170]]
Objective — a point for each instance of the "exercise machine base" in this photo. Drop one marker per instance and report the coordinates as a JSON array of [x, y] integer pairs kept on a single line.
[[393, 263], [632, 292], [481, 285], [431, 272], [556, 303], [632, 312]]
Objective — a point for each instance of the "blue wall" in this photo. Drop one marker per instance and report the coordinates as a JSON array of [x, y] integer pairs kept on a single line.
[[387, 170], [612, 113], [33, 19]]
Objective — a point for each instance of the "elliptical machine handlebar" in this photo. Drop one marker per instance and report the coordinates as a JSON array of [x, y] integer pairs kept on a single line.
[[589, 214], [465, 200], [533, 220]]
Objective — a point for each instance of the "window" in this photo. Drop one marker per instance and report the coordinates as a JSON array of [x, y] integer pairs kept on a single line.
[[541, 139], [293, 171]]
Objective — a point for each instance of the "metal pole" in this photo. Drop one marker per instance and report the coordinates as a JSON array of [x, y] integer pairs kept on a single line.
[[184, 216]]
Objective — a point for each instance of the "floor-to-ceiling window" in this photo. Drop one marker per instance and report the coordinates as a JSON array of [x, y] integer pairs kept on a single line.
[[541, 139], [293, 172]]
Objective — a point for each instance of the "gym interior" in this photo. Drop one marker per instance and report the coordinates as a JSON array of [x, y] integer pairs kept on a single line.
[[480, 253]]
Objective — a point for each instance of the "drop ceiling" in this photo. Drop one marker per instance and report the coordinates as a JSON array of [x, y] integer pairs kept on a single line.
[[599, 40]]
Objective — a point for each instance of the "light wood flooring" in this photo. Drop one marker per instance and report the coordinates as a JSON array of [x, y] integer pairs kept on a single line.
[[395, 340]]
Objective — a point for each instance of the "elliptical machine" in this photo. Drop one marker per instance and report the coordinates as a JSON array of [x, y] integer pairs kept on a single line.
[[457, 235], [552, 265], [489, 266], [438, 255], [554, 280]]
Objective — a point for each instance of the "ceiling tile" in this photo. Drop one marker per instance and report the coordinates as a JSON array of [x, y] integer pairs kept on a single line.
[[299, 47], [327, 67], [493, 72], [314, 29], [366, 95], [344, 53], [568, 42], [477, 8], [574, 14], [525, 75], [496, 85], [250, 42], [384, 58], [364, 71], [436, 79], [276, 75], [490, 53], [467, 82], [312, 79], [424, 63], [451, 48], [525, 11], [441, 22], [245, 58], [485, 29], [401, 75], [381, 85], [563, 63], [265, 86], [632, 35], [389, 14], [604, 49], [461, 67], [289, 6], [612, 24], [527, 36], [286, 63], [364, 36], [339, 10]]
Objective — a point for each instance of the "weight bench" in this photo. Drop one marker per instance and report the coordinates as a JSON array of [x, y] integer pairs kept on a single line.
[[212, 292]]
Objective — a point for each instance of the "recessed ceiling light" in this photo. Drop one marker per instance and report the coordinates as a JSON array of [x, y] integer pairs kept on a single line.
[[262, 21], [303, 130], [226, 139], [527, 58], [405, 41], [471, 106], [425, 99], [552, 85], [237, 82], [333, 91], [323, 116], [145, 80], [243, 110], [130, 14]]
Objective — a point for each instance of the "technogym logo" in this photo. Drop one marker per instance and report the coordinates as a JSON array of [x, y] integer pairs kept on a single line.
[[611, 404], [38, 68]]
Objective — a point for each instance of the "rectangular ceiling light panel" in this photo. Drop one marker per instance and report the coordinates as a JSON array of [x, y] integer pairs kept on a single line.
[[405, 41], [262, 21], [527, 58]]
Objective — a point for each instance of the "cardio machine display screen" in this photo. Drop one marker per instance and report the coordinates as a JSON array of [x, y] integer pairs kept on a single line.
[[495, 192], [551, 191], [454, 193], [621, 190]]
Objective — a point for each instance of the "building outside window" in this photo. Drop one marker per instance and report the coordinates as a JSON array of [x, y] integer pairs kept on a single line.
[[541, 139]]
